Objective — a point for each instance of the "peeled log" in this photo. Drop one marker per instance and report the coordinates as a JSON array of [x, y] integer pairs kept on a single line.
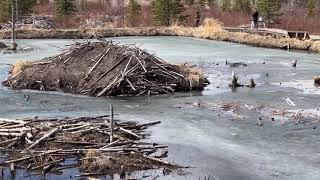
[[55, 130], [12, 121]]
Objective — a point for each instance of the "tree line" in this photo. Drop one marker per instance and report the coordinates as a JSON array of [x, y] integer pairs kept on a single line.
[[168, 12]]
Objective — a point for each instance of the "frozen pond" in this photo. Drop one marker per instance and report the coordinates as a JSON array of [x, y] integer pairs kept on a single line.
[[219, 146]]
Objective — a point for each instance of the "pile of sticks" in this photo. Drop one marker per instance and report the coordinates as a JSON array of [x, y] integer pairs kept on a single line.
[[45, 145], [141, 73], [105, 68], [305, 118]]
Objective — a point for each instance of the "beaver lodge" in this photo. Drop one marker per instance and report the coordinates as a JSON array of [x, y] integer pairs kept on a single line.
[[95, 145], [104, 68]]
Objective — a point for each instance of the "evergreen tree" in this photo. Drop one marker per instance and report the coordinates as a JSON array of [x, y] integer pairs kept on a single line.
[[242, 5], [166, 11], [5, 11], [133, 12], [190, 2], [309, 7], [24, 9], [211, 2], [226, 5], [269, 9], [83, 5], [64, 7], [176, 10]]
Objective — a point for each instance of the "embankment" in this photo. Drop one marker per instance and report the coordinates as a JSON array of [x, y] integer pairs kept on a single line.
[[210, 30]]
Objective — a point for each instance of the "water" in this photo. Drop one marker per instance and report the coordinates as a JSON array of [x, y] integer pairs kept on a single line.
[[217, 145]]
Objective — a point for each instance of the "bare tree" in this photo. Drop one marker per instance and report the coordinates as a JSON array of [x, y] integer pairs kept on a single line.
[[13, 25]]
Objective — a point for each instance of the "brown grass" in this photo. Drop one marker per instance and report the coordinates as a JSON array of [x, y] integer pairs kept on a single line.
[[18, 66], [315, 46], [213, 29]]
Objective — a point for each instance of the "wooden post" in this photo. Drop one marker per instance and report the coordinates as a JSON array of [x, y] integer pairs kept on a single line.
[[234, 81], [111, 123], [252, 84], [13, 26], [2, 174], [17, 11], [294, 62], [12, 171]]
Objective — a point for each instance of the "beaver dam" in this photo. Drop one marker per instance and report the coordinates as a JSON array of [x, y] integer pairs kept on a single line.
[[98, 146], [105, 69]]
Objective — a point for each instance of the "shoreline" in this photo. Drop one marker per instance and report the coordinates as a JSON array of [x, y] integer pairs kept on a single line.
[[209, 33]]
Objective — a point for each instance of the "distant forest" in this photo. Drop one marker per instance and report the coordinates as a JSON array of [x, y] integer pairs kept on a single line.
[[285, 14]]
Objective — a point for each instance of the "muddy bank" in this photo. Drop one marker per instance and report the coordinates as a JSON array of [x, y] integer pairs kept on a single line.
[[105, 69], [86, 33], [205, 32]]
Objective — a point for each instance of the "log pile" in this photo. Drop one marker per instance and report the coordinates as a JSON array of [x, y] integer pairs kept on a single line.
[[105, 68], [98, 145]]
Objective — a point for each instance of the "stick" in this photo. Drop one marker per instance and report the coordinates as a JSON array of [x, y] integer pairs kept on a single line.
[[105, 73], [55, 130], [77, 128], [110, 144], [131, 85], [159, 160], [7, 141], [148, 124], [12, 121], [111, 123], [46, 164], [130, 132], [10, 134], [95, 65]]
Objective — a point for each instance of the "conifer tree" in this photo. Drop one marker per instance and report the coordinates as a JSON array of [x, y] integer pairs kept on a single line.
[[5, 10], [269, 9], [242, 5], [309, 7], [24, 9], [226, 5], [166, 11], [64, 7], [133, 12]]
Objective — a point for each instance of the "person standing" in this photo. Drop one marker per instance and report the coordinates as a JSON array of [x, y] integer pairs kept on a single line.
[[197, 18], [255, 17]]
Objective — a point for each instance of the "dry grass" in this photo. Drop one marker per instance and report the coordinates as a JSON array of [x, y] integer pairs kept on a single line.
[[18, 66], [211, 26], [95, 162], [211, 29], [315, 46]]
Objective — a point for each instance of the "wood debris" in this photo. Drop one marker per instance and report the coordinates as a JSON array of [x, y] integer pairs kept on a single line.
[[96, 144]]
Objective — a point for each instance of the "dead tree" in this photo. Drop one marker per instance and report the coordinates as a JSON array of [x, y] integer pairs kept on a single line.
[[13, 26]]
